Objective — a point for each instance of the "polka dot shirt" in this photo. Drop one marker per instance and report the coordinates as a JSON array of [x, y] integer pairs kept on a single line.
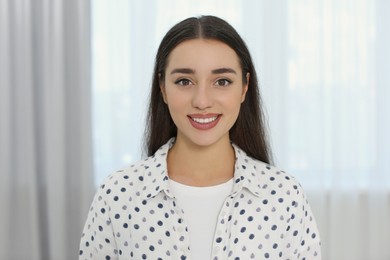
[[134, 215]]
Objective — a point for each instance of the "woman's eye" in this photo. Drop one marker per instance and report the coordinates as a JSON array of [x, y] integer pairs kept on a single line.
[[223, 82], [183, 82]]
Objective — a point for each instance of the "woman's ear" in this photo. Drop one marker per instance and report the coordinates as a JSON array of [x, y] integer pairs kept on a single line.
[[245, 87], [162, 88]]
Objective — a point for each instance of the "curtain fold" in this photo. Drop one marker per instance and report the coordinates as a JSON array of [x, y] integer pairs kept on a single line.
[[45, 127]]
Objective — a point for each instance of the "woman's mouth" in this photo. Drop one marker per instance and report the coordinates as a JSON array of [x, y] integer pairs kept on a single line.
[[204, 122]]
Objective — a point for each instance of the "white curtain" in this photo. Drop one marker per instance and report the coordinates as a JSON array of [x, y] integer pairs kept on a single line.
[[324, 70], [324, 73], [46, 182]]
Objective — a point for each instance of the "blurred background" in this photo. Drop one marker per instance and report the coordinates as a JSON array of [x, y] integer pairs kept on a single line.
[[74, 81]]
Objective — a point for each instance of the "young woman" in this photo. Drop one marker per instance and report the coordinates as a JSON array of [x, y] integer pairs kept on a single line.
[[207, 191]]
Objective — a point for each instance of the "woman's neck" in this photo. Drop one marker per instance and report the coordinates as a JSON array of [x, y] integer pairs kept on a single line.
[[201, 165]]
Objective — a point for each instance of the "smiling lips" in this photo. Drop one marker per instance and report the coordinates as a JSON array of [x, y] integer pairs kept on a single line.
[[204, 122]]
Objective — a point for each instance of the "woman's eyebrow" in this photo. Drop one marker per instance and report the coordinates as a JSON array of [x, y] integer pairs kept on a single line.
[[191, 71], [224, 70], [183, 71]]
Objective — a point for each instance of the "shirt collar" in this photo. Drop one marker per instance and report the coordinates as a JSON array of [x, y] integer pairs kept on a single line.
[[246, 175]]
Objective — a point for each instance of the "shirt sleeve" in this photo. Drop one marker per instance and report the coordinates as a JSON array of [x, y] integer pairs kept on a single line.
[[302, 229], [98, 238]]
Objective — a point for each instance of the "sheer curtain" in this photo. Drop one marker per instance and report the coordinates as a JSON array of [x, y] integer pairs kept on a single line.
[[324, 74], [45, 143], [323, 67]]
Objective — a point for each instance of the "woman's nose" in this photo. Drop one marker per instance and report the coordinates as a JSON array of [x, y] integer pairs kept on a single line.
[[202, 97]]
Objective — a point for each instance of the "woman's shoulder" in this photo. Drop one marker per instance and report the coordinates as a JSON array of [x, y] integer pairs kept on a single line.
[[267, 177], [140, 175], [134, 173]]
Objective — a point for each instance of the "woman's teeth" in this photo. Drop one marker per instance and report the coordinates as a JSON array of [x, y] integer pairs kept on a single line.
[[204, 120]]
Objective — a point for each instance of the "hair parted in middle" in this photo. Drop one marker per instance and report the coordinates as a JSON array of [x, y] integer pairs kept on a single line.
[[250, 130]]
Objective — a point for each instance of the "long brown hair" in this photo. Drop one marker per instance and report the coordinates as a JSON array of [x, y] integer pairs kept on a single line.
[[249, 131]]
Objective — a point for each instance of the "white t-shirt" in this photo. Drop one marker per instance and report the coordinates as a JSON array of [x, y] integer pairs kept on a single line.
[[201, 206]]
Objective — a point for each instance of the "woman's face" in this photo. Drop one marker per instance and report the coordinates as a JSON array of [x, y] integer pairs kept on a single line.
[[203, 89]]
